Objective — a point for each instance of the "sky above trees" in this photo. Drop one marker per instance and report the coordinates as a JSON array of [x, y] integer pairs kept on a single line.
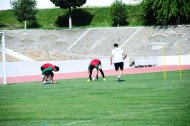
[[5, 4]]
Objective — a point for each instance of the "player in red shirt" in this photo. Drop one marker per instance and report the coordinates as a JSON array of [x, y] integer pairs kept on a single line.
[[95, 63], [47, 72], [46, 65]]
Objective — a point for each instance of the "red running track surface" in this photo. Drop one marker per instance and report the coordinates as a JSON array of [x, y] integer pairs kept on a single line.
[[61, 76]]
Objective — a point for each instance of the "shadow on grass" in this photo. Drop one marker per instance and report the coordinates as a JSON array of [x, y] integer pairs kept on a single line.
[[2, 25], [120, 81], [33, 24], [79, 18], [124, 23]]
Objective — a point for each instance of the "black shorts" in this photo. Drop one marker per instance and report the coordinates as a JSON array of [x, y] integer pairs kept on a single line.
[[119, 65], [49, 73], [91, 67]]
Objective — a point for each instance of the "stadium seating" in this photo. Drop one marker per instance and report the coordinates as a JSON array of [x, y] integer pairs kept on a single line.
[[98, 42]]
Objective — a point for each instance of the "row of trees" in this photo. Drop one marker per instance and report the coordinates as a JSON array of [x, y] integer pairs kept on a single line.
[[25, 10], [156, 12], [164, 12], [159, 12]]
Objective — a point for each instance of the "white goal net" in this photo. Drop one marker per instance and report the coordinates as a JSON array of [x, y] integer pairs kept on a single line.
[[3, 59]]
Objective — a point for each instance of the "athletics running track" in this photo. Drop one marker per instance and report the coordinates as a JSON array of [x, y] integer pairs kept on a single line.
[[62, 76]]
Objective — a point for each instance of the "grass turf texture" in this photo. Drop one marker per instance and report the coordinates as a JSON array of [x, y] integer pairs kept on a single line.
[[47, 18], [143, 99]]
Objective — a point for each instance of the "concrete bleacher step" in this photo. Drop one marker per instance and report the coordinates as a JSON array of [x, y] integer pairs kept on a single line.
[[98, 42], [17, 55]]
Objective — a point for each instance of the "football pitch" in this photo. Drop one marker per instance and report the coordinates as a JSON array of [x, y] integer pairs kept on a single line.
[[138, 100]]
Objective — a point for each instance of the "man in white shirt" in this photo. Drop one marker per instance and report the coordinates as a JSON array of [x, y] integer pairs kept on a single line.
[[118, 56]]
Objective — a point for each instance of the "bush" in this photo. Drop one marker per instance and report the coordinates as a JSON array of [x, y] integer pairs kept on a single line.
[[119, 13]]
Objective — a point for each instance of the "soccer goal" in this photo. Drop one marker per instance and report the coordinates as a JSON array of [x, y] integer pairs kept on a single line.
[[3, 58]]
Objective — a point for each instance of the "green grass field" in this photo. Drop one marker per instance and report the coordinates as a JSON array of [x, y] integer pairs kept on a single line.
[[140, 100], [94, 17]]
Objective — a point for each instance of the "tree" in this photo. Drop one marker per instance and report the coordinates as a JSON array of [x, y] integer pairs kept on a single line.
[[118, 13], [25, 10], [69, 4], [164, 12]]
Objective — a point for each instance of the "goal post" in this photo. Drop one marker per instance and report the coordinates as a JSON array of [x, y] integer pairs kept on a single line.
[[3, 51]]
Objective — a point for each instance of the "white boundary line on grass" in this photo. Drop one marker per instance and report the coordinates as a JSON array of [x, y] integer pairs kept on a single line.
[[131, 113]]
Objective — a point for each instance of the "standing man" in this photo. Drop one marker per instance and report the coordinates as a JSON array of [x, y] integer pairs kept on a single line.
[[118, 56], [95, 63]]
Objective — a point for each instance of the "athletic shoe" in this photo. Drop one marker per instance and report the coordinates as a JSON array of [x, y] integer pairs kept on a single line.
[[88, 80], [44, 82], [119, 79]]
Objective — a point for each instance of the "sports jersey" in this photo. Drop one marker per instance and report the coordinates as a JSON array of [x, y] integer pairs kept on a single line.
[[95, 62], [48, 65], [117, 55], [47, 69]]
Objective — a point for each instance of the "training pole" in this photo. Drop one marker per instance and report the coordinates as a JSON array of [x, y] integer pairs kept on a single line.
[[179, 62], [164, 61]]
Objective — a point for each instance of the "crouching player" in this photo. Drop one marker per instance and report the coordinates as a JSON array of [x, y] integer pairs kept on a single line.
[[95, 63], [47, 72]]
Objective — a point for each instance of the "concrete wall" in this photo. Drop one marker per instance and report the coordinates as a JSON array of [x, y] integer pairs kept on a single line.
[[67, 66], [159, 60]]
